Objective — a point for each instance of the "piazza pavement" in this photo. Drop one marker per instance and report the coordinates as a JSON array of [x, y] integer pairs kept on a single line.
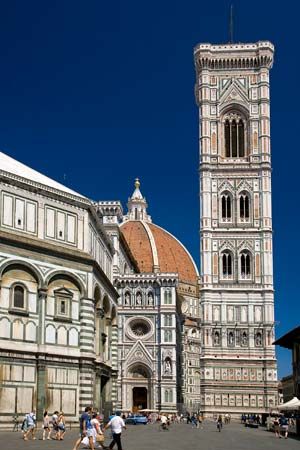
[[180, 436]]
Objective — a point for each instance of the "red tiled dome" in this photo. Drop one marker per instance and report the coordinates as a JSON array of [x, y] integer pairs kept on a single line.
[[155, 248]]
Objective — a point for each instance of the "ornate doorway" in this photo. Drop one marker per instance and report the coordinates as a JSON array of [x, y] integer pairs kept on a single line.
[[139, 378], [139, 398]]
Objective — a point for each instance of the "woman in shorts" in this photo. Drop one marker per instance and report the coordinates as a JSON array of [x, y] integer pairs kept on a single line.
[[61, 424], [46, 426], [276, 427]]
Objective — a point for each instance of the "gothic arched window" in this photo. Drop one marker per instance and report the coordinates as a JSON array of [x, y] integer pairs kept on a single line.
[[226, 207], [234, 133], [245, 263], [244, 206], [227, 271]]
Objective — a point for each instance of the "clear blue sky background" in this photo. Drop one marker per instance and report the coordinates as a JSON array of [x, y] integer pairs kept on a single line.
[[102, 91]]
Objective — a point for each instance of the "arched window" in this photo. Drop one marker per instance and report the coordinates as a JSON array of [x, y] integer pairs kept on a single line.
[[19, 297], [226, 207], [234, 133], [227, 271], [245, 263], [244, 206]]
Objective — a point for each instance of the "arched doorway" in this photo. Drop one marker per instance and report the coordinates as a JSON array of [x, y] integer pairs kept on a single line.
[[140, 381]]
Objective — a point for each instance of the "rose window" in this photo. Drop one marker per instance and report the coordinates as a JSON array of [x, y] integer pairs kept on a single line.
[[140, 328]]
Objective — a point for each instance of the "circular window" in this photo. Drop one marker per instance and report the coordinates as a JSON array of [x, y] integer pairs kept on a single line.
[[139, 328]]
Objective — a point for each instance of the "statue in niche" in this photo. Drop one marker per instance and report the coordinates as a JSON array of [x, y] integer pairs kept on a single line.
[[230, 339], [167, 367], [138, 298], [258, 339], [216, 338], [244, 338], [150, 299], [127, 298]]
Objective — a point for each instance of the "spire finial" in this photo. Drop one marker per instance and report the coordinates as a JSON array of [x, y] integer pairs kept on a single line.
[[137, 183], [231, 25]]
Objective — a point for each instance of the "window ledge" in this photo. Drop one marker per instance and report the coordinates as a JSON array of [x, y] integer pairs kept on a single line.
[[62, 319], [18, 312]]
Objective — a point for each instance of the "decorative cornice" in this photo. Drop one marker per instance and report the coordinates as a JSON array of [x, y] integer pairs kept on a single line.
[[47, 190], [234, 56]]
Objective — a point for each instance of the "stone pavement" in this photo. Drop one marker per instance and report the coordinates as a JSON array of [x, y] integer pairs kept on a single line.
[[180, 436]]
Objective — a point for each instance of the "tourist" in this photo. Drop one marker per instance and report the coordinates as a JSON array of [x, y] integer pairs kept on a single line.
[[116, 424], [30, 426], [276, 427], [219, 423], [97, 432], [284, 425], [54, 423], [86, 429], [46, 426], [164, 422], [61, 425]]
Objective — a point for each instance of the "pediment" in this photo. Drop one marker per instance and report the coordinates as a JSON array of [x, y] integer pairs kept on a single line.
[[227, 245], [63, 292], [226, 186], [244, 186], [245, 245], [139, 354], [234, 93]]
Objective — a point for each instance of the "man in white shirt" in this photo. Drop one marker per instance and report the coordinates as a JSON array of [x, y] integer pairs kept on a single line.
[[116, 424]]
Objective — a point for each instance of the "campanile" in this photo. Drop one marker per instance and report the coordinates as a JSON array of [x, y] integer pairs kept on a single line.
[[238, 364]]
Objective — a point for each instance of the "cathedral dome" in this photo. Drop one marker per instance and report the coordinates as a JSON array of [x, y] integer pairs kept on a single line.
[[155, 249]]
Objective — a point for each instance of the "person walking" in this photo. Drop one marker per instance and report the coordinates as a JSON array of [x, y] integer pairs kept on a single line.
[[46, 426], [61, 424], [276, 427], [86, 428], [219, 423], [31, 424], [97, 432], [116, 424], [284, 425], [54, 423]]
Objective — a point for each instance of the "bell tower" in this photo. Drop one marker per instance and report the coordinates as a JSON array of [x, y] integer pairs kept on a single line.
[[239, 372]]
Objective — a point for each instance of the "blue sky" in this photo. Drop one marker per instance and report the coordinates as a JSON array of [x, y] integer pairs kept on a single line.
[[94, 94]]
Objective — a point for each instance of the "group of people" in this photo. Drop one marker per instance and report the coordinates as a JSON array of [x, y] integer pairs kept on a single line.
[[253, 418], [92, 431], [54, 427]]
